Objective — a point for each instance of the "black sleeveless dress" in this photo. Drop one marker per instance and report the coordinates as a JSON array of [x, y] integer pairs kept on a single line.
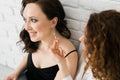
[[34, 73]]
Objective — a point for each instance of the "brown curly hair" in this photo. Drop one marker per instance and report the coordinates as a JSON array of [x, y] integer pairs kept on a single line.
[[102, 45]]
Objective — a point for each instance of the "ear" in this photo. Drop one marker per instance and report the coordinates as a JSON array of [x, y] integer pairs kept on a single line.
[[54, 22]]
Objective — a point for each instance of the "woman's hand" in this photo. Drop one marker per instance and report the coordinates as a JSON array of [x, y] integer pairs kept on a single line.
[[57, 52], [58, 55], [12, 76]]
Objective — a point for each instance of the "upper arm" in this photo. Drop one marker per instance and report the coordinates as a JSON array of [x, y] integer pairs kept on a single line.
[[71, 59], [71, 62]]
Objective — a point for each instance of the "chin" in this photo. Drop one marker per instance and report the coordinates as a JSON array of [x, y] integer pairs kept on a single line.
[[34, 40]]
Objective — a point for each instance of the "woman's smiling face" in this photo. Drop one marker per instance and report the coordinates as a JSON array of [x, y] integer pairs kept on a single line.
[[36, 22]]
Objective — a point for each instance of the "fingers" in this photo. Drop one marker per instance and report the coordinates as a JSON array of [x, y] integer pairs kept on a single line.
[[56, 49], [7, 78], [14, 79], [61, 51], [55, 44]]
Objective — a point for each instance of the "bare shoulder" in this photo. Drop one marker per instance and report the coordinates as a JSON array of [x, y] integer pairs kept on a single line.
[[72, 56], [68, 46]]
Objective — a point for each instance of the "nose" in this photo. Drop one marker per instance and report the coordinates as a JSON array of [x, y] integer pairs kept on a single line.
[[27, 26]]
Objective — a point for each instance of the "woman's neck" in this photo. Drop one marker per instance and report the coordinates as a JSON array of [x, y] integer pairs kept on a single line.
[[48, 41]]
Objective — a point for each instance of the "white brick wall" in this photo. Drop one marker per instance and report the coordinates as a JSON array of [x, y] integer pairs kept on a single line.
[[10, 26], [77, 14]]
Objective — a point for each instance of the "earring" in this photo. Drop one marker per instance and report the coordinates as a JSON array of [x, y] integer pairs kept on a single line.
[[54, 34]]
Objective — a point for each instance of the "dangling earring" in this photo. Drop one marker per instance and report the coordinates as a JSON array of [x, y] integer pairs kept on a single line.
[[54, 34]]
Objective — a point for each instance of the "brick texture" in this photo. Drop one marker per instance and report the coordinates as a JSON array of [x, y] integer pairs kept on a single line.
[[77, 14]]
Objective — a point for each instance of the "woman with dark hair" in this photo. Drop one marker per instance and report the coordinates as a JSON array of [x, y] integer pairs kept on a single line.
[[102, 45], [51, 55]]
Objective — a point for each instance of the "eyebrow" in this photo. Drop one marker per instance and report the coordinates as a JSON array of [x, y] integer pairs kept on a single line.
[[30, 17]]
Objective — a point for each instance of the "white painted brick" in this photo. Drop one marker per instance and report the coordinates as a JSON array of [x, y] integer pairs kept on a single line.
[[77, 13], [1, 17], [5, 48], [115, 0], [9, 29], [10, 2], [11, 23], [3, 60], [99, 4], [75, 34], [73, 24], [7, 11], [3, 34], [10, 61], [18, 59], [71, 3]]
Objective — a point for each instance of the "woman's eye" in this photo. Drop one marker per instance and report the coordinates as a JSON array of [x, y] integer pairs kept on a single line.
[[34, 20]]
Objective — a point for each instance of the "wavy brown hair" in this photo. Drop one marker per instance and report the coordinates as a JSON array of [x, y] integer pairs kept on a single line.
[[51, 8], [102, 45]]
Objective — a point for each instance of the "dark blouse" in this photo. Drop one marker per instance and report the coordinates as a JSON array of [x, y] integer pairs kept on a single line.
[[34, 73]]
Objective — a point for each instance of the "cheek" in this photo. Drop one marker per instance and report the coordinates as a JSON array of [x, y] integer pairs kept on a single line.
[[42, 28], [42, 25], [38, 27]]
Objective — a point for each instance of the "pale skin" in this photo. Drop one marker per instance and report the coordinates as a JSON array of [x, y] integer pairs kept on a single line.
[[52, 48]]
